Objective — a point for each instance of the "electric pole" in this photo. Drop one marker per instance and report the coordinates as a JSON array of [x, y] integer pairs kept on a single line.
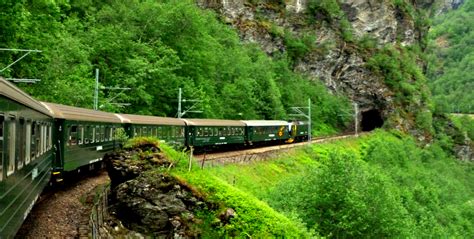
[[109, 101], [96, 91], [299, 112], [188, 110], [28, 51]]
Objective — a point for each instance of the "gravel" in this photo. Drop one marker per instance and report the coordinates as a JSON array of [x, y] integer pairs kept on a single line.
[[63, 212]]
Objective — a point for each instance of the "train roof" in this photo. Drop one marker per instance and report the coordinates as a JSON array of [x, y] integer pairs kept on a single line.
[[10, 91], [213, 122], [265, 122], [80, 114], [150, 120]]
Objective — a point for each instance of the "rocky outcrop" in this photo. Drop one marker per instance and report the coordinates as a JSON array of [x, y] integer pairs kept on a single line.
[[336, 62], [381, 20], [147, 201], [447, 5], [157, 205]]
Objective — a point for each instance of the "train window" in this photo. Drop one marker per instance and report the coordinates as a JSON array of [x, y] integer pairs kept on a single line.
[[1, 147], [106, 133], [72, 135], [44, 139], [11, 146], [97, 133], [102, 133], [37, 140], [48, 137], [87, 134], [33, 141], [80, 134], [41, 139], [28, 143], [21, 143], [91, 133], [111, 133]]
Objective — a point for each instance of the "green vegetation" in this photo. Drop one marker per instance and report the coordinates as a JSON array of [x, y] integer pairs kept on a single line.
[[330, 11], [401, 74], [465, 123], [155, 47], [254, 217], [380, 185], [451, 59]]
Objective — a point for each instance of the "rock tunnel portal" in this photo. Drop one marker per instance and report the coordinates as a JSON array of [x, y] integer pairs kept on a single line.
[[371, 120]]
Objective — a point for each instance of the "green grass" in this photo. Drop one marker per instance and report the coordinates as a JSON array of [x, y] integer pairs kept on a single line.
[[379, 185]]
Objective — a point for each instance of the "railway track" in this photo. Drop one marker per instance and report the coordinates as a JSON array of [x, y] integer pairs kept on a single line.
[[256, 154], [63, 212]]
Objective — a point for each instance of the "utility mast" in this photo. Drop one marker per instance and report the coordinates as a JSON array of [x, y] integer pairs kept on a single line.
[[96, 93], [188, 110], [300, 112], [27, 52]]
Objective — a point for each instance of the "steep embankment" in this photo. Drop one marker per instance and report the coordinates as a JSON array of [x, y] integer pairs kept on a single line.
[[378, 185]]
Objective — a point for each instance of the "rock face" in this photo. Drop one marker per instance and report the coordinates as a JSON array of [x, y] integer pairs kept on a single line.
[[157, 206], [338, 64], [147, 201], [381, 20], [447, 5]]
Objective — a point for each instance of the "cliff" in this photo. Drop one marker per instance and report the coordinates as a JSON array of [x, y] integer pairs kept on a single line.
[[368, 50]]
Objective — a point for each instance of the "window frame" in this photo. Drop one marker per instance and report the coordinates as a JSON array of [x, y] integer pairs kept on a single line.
[[11, 145], [28, 142]]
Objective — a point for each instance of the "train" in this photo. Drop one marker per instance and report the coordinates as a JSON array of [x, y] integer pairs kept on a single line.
[[40, 142]]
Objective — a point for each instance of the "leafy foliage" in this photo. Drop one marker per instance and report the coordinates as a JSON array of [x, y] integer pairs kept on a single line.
[[381, 185], [254, 218], [451, 59], [155, 47]]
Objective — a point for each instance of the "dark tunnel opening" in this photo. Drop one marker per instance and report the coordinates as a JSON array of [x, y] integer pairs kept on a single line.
[[371, 120]]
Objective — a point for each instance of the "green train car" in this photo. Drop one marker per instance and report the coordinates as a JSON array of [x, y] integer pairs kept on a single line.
[[169, 130], [299, 130], [266, 131], [26, 154], [81, 137], [211, 132]]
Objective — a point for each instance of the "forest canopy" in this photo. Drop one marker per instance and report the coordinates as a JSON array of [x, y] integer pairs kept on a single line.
[[154, 48], [451, 59]]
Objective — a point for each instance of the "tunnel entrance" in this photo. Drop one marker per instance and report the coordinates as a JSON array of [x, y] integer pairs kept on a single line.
[[371, 120]]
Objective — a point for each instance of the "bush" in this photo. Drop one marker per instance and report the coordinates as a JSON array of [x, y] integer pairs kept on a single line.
[[254, 218], [344, 198]]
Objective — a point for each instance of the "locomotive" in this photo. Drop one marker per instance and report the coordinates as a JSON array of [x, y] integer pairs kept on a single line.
[[41, 141]]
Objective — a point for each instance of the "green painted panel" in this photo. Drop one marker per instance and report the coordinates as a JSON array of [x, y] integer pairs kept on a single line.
[[20, 188], [267, 133]]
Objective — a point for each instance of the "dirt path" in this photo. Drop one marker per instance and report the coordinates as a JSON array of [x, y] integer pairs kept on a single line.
[[61, 213]]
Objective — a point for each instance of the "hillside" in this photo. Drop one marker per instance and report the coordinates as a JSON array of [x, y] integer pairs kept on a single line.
[[451, 60], [378, 185], [277, 54], [370, 51], [155, 47]]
